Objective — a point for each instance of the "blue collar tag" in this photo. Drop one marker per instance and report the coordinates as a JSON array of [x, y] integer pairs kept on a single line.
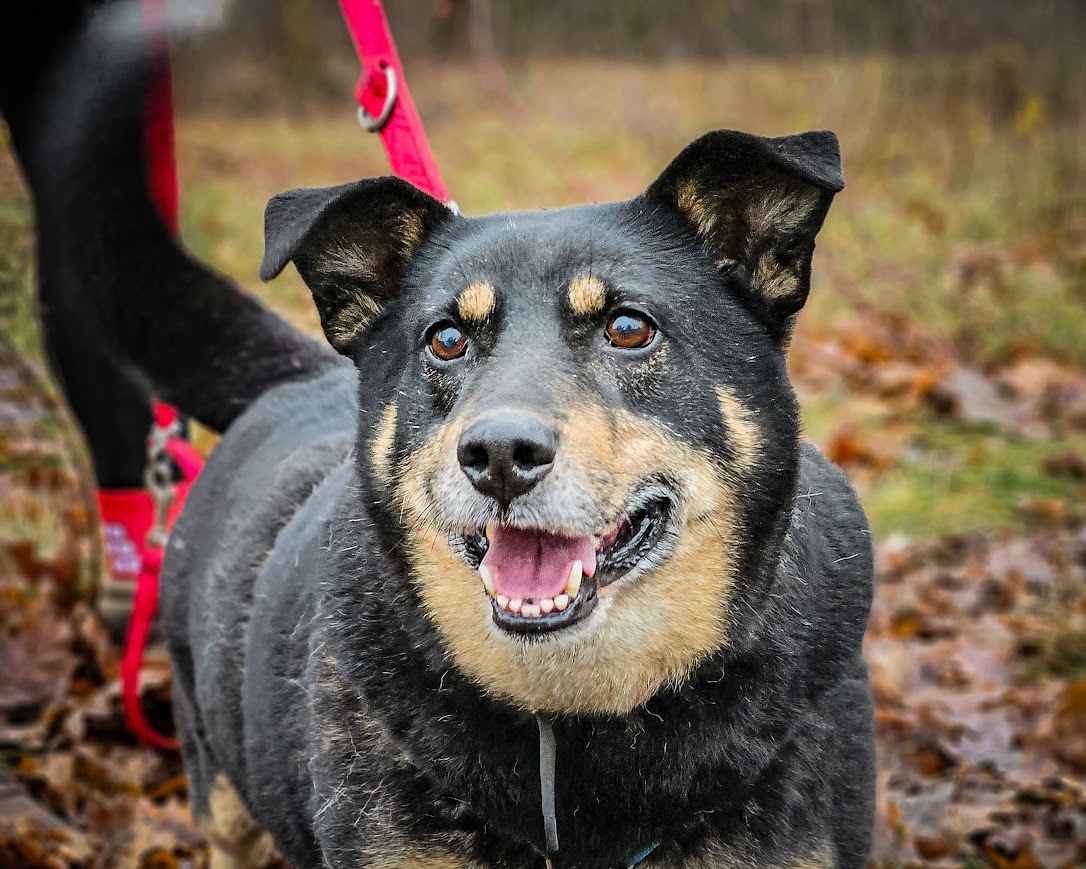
[[642, 855]]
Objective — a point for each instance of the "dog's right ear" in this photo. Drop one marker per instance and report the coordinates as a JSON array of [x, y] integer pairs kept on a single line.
[[351, 244]]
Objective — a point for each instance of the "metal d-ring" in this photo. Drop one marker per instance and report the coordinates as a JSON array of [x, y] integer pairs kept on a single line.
[[374, 125]]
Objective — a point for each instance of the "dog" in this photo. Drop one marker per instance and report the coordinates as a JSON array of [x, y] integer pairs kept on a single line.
[[536, 568], [561, 477]]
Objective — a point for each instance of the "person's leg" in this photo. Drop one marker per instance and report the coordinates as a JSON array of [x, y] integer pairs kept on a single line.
[[114, 413], [116, 287]]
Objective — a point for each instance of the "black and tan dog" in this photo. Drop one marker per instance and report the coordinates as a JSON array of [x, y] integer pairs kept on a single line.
[[549, 534]]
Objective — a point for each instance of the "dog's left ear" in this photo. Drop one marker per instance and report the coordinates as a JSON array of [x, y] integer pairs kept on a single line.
[[757, 204], [351, 244]]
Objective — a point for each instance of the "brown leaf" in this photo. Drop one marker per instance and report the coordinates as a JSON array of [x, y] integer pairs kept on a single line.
[[1069, 725], [1045, 511], [935, 847], [978, 761], [158, 835], [933, 760], [36, 660], [31, 836], [850, 449], [1016, 857], [1069, 464]]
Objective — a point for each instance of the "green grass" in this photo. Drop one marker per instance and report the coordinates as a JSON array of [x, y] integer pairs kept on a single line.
[[18, 322], [1059, 651], [956, 478], [975, 228], [947, 477]]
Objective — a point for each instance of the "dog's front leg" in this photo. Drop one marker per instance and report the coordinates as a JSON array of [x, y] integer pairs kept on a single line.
[[235, 840]]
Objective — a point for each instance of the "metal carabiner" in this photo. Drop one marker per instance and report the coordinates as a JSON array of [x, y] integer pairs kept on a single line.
[[158, 479], [374, 125]]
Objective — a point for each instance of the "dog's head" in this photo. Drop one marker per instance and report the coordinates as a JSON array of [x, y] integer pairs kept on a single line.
[[584, 429]]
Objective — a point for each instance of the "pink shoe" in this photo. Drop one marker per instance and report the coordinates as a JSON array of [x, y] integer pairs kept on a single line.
[[127, 515]]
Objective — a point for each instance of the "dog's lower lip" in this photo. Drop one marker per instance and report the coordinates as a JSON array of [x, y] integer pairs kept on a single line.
[[637, 535], [547, 615]]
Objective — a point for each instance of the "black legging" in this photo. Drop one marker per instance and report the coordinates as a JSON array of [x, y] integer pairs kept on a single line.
[[107, 397]]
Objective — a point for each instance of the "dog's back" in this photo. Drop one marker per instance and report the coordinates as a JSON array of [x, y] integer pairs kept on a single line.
[[243, 568]]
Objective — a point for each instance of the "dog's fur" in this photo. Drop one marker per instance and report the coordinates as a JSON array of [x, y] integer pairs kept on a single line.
[[339, 678]]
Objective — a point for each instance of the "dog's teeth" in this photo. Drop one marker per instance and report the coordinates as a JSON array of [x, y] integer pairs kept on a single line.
[[547, 605], [561, 602], [515, 605], [573, 584], [490, 530], [488, 581], [502, 600], [530, 609]]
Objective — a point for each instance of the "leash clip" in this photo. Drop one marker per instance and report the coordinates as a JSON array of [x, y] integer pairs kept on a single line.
[[158, 478], [374, 125]]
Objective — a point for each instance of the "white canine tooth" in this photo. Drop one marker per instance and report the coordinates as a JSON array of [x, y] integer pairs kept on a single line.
[[502, 600], [488, 581], [547, 605], [490, 530], [530, 609], [561, 602], [573, 584], [515, 605]]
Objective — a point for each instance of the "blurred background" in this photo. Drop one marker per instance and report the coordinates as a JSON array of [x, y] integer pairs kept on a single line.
[[941, 359]]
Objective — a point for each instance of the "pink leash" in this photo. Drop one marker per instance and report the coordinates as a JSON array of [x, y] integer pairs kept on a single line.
[[153, 514], [385, 104]]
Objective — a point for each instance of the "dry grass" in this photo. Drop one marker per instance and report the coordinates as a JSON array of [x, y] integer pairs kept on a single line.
[[971, 221], [964, 211]]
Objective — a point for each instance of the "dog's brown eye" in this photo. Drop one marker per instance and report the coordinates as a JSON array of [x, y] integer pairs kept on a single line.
[[447, 342], [630, 330]]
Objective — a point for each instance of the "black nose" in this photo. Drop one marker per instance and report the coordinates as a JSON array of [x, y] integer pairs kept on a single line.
[[505, 455]]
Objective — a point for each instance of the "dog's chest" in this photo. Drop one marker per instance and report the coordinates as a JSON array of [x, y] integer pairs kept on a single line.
[[376, 802]]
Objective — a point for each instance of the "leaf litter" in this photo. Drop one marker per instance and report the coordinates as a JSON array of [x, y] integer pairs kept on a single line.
[[977, 644]]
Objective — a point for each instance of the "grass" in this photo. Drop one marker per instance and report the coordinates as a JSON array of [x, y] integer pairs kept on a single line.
[[18, 324], [956, 478], [972, 225], [976, 228], [946, 476]]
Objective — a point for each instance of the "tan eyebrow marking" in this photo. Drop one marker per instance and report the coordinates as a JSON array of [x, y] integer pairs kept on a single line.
[[587, 295], [476, 301]]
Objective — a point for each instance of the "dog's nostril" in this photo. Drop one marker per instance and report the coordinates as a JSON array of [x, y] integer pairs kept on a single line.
[[473, 456], [528, 455], [505, 455]]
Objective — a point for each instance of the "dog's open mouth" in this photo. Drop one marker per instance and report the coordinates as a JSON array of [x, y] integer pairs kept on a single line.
[[538, 581]]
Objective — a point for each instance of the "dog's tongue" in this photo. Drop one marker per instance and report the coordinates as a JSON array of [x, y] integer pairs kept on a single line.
[[534, 564]]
